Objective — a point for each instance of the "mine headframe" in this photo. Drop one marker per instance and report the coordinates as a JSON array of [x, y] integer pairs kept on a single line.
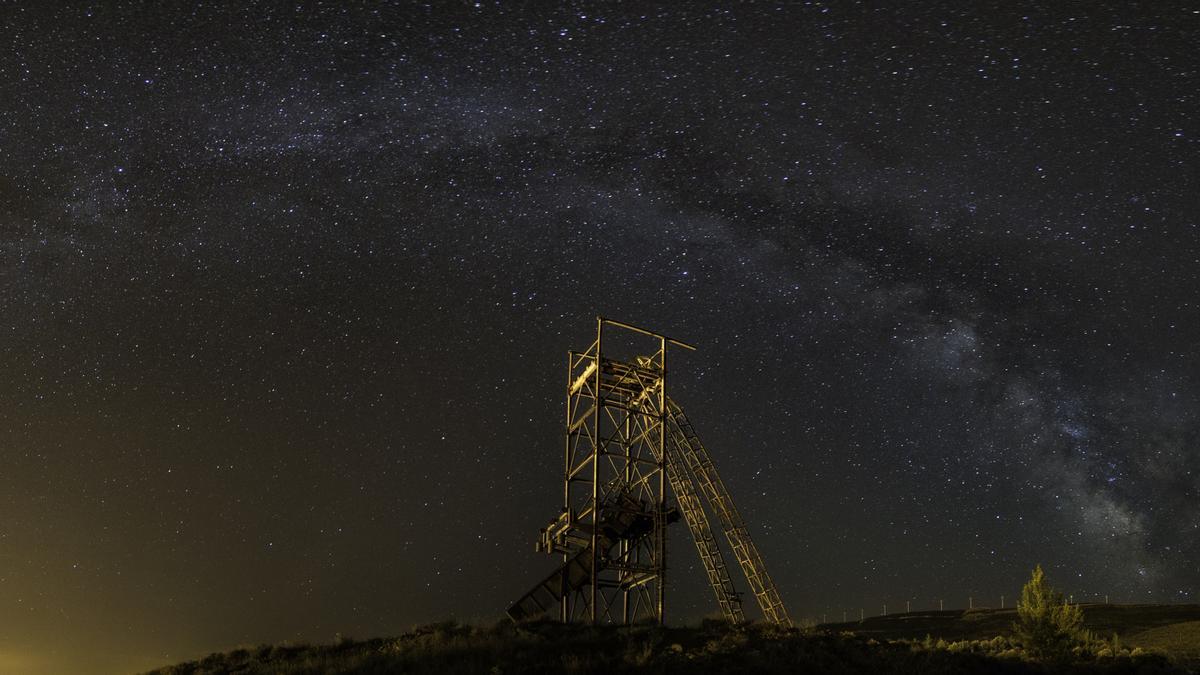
[[626, 443]]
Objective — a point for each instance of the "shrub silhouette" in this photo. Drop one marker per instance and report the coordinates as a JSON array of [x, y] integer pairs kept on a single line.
[[1047, 625]]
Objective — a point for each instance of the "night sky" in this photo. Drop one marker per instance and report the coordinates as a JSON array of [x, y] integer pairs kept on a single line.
[[286, 291]]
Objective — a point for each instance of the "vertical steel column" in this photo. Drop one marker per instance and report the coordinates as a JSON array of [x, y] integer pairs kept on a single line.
[[661, 554], [627, 477], [564, 609], [596, 450]]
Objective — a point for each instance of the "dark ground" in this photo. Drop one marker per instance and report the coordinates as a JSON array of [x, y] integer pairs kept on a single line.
[[973, 641]]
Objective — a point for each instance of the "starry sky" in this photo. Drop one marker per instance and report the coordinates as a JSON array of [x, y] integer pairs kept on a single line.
[[286, 291]]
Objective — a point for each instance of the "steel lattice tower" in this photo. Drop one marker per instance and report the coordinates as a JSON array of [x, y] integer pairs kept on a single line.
[[614, 482], [626, 443]]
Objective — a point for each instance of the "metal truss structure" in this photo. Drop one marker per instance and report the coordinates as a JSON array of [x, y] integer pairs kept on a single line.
[[627, 443]]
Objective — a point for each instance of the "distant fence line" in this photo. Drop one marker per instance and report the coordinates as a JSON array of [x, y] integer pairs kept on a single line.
[[940, 605]]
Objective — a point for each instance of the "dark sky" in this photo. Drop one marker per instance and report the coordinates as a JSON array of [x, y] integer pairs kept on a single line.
[[286, 291]]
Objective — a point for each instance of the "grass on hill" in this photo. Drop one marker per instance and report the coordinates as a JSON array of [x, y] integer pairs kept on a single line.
[[1128, 621], [449, 648], [1181, 640]]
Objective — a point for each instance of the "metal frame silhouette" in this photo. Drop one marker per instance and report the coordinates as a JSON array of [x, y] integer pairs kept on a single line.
[[626, 442]]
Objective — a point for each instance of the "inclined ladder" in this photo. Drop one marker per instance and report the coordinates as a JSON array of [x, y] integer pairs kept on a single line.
[[698, 461], [684, 486]]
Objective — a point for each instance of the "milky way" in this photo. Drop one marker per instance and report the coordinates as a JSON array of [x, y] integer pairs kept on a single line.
[[287, 291]]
